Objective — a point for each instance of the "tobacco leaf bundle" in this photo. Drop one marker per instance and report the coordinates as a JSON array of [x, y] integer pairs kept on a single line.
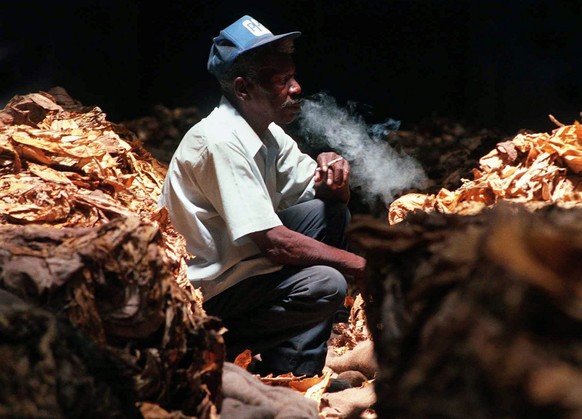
[[534, 169], [476, 316], [82, 236], [51, 370]]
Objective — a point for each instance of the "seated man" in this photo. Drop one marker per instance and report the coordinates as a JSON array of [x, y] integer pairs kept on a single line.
[[264, 221]]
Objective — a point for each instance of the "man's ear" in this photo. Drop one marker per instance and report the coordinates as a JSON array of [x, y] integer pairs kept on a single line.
[[241, 88]]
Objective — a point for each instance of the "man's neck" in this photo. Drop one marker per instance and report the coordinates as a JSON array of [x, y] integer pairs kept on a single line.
[[257, 122]]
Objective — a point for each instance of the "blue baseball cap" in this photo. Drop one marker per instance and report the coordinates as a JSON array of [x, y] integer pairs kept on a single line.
[[243, 35]]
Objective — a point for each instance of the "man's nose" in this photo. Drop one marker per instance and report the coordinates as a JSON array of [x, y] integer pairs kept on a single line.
[[295, 88]]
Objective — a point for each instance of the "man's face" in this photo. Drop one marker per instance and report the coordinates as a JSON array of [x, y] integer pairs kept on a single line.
[[276, 94]]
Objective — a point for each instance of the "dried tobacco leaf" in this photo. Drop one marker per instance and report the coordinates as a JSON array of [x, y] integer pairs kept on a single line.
[[49, 367], [474, 311], [354, 332], [83, 237], [532, 169]]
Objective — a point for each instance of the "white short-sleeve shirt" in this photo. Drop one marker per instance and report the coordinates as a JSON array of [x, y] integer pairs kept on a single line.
[[225, 182]]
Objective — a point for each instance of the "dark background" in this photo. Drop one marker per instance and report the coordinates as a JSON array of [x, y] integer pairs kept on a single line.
[[492, 63]]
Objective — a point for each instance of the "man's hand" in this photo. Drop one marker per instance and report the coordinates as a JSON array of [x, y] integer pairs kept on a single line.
[[332, 177], [332, 169]]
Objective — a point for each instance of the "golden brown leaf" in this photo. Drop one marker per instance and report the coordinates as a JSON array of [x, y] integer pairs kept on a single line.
[[532, 169]]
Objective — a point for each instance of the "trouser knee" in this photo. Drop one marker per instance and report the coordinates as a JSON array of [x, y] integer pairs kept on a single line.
[[328, 289], [322, 220]]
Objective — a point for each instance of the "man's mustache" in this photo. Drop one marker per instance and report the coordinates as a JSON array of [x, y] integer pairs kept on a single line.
[[292, 102]]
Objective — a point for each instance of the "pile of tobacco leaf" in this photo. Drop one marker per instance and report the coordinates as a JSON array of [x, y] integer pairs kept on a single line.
[[476, 316], [81, 237], [473, 294], [534, 169]]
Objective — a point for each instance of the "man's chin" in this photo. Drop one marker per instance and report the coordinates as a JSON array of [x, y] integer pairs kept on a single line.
[[289, 114]]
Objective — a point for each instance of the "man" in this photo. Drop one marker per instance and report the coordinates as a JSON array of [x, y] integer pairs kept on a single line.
[[264, 221]]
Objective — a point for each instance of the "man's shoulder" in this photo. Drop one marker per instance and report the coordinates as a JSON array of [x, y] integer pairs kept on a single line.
[[204, 140], [221, 124], [277, 131], [280, 135], [212, 129]]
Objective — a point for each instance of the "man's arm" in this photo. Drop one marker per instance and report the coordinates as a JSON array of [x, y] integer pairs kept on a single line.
[[287, 247]]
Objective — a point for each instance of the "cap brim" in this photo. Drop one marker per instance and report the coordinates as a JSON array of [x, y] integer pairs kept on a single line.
[[274, 38]]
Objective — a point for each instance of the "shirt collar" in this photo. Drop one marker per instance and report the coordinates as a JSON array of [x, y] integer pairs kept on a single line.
[[240, 127], [243, 131]]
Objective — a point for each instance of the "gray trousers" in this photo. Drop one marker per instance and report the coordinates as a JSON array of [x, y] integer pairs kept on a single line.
[[287, 316]]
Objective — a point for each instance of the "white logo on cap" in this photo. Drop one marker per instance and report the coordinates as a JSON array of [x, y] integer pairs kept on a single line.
[[255, 27]]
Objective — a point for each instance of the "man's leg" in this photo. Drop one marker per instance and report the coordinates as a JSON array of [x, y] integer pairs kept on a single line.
[[287, 315], [325, 221]]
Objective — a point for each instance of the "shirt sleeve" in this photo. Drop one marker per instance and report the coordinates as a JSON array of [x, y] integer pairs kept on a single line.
[[233, 184]]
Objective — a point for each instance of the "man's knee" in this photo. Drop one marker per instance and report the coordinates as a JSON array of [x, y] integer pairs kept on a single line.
[[325, 221], [327, 285], [333, 212], [338, 213], [337, 217]]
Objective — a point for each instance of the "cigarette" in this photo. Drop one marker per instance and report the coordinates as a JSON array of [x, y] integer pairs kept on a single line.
[[330, 163]]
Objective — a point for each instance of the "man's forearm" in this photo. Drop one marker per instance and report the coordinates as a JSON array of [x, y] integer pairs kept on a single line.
[[288, 247]]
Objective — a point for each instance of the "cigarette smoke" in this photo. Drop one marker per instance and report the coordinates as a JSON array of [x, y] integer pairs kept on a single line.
[[376, 168]]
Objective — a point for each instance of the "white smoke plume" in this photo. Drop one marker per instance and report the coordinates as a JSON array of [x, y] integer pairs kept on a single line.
[[376, 168]]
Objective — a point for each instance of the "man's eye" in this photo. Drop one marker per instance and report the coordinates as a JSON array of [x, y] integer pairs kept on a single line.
[[285, 80]]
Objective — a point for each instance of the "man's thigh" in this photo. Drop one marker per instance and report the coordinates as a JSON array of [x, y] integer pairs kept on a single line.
[[289, 289]]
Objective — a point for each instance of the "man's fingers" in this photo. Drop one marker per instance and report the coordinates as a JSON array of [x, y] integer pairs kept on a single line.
[[330, 175], [345, 173], [335, 172]]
